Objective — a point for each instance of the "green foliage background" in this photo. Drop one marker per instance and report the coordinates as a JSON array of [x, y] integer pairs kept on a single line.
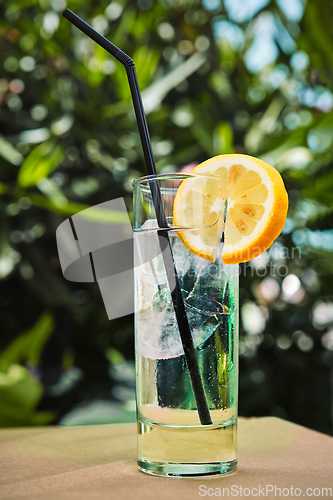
[[217, 77]]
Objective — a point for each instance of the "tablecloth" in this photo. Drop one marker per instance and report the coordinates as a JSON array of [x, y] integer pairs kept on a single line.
[[276, 458]]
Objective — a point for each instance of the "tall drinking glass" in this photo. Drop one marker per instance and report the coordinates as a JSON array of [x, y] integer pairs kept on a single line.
[[171, 439]]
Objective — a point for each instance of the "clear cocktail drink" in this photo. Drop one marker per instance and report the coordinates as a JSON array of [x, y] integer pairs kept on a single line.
[[171, 439]]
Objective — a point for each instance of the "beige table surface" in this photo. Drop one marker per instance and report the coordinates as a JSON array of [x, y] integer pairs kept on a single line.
[[99, 462]]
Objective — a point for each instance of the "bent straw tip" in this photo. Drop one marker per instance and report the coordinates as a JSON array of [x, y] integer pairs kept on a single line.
[[121, 56], [67, 13]]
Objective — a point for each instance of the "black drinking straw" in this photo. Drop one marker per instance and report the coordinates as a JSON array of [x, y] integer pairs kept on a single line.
[[171, 272]]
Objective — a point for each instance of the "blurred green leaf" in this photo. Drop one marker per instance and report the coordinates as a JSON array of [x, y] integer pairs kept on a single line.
[[278, 157], [20, 4], [321, 188], [72, 208], [3, 188], [39, 163], [125, 26], [203, 128], [68, 359], [9, 153], [146, 60], [223, 139], [264, 126], [114, 356], [18, 386], [27, 347], [20, 392], [155, 93], [53, 192], [321, 37]]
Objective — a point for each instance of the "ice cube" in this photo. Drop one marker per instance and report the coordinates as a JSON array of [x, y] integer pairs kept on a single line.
[[157, 329], [148, 259]]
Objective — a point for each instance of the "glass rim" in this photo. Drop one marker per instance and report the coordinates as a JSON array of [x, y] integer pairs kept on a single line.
[[145, 179]]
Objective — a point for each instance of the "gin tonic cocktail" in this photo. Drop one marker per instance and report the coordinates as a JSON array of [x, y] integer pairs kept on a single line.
[[171, 438]]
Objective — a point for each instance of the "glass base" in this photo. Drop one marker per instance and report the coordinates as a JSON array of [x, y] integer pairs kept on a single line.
[[186, 470]]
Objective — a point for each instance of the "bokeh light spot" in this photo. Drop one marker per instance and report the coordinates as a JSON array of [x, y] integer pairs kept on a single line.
[[114, 10], [291, 284], [252, 318], [283, 342], [166, 31], [257, 376], [327, 340], [38, 112], [299, 60], [27, 63]]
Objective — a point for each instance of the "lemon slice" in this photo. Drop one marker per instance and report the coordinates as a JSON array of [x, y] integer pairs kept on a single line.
[[249, 191]]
